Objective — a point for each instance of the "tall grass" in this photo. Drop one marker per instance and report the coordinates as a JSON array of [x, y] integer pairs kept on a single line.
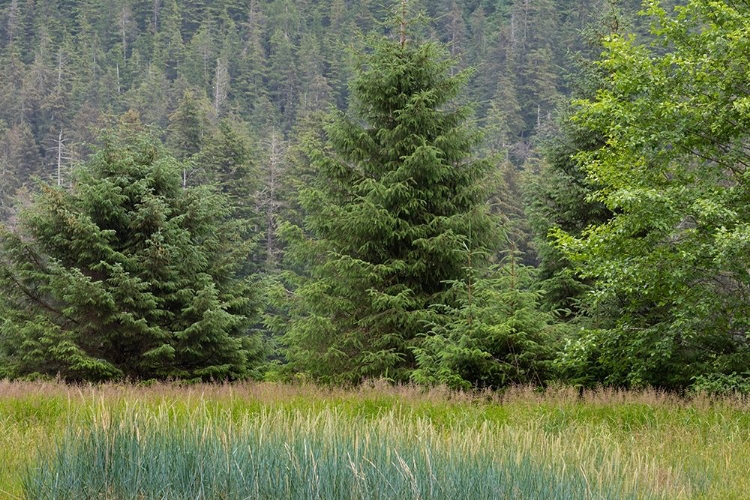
[[395, 442], [136, 453]]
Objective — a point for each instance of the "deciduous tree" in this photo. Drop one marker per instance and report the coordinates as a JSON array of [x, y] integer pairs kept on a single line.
[[671, 264]]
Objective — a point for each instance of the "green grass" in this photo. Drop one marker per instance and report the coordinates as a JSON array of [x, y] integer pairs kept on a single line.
[[278, 455], [273, 441]]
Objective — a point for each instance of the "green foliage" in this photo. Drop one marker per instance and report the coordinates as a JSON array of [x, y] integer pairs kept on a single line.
[[496, 334], [559, 193], [644, 188], [559, 198], [720, 384], [67, 63], [126, 275], [228, 160], [671, 265], [188, 125], [396, 200]]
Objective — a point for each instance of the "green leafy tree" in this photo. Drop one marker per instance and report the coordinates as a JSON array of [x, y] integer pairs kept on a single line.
[[671, 264], [558, 192], [560, 197], [396, 200], [127, 275]]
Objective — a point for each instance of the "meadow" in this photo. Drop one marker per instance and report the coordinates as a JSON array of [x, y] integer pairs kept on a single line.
[[274, 441]]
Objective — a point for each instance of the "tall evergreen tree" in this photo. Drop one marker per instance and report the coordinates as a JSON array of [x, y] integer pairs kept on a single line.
[[188, 125], [252, 64], [317, 94], [200, 56], [342, 30], [397, 201], [169, 45], [282, 77], [20, 152], [9, 178], [149, 98], [12, 105], [127, 275], [228, 160]]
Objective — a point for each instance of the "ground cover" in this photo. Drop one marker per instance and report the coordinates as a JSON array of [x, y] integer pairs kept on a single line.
[[279, 441]]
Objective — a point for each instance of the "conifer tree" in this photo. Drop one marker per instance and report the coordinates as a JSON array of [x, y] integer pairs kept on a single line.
[[396, 200], [200, 56], [252, 64], [317, 94], [282, 80], [12, 105], [9, 180], [495, 336], [342, 30], [188, 125], [169, 46], [20, 152], [149, 97], [228, 160], [127, 275]]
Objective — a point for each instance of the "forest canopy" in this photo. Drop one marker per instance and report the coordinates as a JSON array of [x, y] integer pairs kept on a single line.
[[474, 194]]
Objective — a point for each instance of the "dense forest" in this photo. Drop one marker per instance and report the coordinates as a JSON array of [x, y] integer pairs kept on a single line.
[[475, 193]]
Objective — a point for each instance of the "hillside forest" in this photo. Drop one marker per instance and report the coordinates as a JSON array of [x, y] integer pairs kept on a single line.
[[471, 193]]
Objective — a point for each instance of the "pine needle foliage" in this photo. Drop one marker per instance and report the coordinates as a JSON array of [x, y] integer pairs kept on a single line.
[[396, 200], [495, 335], [126, 275]]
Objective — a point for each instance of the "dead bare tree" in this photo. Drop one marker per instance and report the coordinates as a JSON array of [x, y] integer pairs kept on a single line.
[[221, 84]]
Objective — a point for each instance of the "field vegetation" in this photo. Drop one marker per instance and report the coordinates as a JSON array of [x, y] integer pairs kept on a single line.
[[264, 440]]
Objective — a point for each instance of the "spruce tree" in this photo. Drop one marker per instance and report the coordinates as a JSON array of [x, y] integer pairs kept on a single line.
[[228, 160], [397, 201], [126, 275], [188, 125], [495, 336]]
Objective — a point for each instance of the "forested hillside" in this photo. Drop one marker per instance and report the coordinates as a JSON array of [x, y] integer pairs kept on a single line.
[[473, 193], [264, 66]]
